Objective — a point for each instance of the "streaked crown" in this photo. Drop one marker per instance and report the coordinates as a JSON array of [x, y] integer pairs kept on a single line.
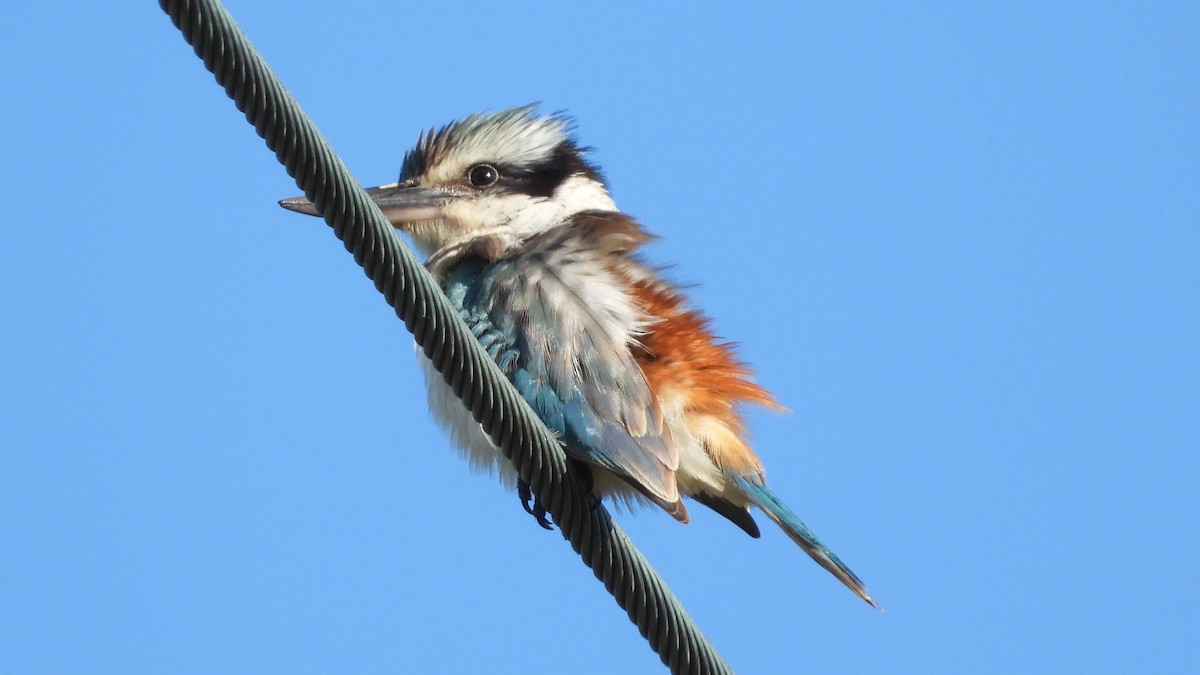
[[512, 173], [515, 139]]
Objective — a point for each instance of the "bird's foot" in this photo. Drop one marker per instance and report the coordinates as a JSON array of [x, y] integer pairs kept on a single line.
[[587, 483], [533, 505]]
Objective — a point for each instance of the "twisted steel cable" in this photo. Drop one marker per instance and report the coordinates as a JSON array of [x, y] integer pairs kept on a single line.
[[495, 404]]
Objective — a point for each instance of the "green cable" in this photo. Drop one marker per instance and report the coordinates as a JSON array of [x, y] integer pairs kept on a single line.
[[445, 339]]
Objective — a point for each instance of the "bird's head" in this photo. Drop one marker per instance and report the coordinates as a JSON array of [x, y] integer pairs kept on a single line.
[[506, 176]]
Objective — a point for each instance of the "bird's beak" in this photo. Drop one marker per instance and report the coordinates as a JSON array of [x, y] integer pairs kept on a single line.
[[401, 205]]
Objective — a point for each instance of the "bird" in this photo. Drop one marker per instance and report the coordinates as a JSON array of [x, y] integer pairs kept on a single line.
[[519, 229]]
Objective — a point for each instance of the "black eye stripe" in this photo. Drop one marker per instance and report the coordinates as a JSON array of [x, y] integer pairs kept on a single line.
[[541, 179]]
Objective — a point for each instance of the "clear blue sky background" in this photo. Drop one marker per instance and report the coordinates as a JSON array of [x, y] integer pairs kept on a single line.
[[962, 244]]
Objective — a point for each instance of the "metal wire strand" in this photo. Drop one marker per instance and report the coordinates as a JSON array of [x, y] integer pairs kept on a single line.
[[474, 377]]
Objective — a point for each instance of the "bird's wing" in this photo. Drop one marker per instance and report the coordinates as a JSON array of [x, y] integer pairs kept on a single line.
[[560, 324]]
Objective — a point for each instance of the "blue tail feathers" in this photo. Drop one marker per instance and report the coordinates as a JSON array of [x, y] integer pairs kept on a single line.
[[789, 522]]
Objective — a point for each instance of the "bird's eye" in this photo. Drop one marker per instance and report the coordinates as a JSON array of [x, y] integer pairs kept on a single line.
[[483, 175]]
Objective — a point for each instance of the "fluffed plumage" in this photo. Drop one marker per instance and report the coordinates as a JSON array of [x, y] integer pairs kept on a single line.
[[525, 239]]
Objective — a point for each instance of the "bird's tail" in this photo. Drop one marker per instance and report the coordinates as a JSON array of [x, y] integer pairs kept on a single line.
[[790, 523]]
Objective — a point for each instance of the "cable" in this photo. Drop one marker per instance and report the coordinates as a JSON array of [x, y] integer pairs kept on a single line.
[[508, 420]]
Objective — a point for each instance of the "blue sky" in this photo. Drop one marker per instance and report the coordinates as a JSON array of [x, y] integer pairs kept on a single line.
[[961, 243]]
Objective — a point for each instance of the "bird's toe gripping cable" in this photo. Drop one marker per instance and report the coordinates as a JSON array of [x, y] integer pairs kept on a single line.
[[533, 505]]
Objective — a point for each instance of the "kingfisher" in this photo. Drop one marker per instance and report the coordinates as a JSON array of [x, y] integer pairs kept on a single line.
[[521, 232]]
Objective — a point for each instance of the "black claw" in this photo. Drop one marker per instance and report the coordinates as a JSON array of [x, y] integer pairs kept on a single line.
[[540, 514], [533, 506]]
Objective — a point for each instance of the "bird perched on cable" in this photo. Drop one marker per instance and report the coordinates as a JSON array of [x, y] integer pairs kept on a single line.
[[523, 236]]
